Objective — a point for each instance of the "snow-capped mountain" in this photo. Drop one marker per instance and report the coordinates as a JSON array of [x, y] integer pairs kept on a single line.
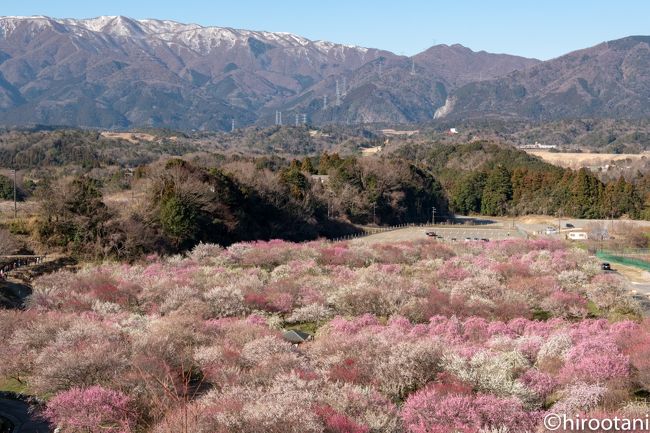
[[122, 72]]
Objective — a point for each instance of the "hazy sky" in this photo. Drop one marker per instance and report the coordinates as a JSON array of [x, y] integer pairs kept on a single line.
[[542, 29]]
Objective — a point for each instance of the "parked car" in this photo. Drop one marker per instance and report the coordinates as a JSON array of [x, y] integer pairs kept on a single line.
[[569, 226], [605, 266], [431, 234]]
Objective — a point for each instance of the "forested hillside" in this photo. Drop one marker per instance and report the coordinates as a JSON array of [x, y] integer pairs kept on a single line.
[[493, 179]]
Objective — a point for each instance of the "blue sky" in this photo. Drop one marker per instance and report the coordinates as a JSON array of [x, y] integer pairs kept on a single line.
[[543, 29]]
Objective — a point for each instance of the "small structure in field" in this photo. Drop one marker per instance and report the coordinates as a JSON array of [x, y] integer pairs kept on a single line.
[[322, 178]]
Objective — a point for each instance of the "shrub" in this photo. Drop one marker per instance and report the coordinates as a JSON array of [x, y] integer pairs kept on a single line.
[[91, 410]]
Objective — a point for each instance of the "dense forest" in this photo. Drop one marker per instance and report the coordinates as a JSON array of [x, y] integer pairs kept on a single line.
[[125, 197], [27, 149], [492, 179], [239, 199]]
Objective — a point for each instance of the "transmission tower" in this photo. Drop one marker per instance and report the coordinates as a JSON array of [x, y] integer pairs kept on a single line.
[[345, 87], [325, 102], [338, 93], [232, 127]]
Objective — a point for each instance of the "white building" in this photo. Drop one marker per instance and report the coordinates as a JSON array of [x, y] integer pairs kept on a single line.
[[577, 236]]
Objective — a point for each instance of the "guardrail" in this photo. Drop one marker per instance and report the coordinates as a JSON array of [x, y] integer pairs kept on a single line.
[[471, 230], [376, 230]]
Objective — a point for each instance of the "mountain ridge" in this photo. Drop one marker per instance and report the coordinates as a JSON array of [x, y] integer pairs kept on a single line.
[[116, 72], [610, 79]]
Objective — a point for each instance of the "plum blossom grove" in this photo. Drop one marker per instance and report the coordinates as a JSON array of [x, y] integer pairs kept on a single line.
[[414, 337]]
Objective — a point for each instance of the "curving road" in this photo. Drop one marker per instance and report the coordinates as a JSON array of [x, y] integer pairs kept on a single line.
[[17, 412]]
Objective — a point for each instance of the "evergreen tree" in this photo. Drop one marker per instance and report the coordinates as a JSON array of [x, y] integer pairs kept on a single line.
[[586, 195], [497, 192], [468, 193], [6, 188], [307, 166]]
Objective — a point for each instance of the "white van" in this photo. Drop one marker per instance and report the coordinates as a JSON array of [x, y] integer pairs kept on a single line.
[[577, 236]]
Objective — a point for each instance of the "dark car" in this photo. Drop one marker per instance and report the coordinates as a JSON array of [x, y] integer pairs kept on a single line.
[[569, 226], [605, 266], [432, 234]]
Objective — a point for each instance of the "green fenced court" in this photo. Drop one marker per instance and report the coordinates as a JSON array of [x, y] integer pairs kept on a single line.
[[622, 260]]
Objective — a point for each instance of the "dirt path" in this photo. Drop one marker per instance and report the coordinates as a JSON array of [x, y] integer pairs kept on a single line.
[[17, 287]]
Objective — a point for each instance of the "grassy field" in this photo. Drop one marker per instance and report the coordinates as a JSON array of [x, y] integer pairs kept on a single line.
[[25, 210], [578, 160], [133, 137]]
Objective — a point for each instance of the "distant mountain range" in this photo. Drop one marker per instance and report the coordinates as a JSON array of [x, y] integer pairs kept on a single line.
[[117, 72], [609, 80]]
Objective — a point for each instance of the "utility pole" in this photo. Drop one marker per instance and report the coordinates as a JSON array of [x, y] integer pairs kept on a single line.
[[374, 214], [15, 207], [433, 215]]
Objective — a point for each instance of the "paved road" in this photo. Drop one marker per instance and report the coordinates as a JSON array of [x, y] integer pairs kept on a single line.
[[13, 293], [18, 413], [447, 234]]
